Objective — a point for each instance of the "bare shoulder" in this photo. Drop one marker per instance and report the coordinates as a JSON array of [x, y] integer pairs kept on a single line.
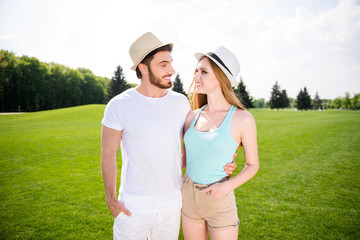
[[189, 118], [243, 117], [242, 125], [191, 115]]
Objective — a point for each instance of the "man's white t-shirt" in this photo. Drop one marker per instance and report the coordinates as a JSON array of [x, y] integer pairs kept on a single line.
[[151, 148]]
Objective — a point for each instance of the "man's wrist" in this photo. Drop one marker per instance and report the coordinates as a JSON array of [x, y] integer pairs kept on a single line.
[[111, 199]]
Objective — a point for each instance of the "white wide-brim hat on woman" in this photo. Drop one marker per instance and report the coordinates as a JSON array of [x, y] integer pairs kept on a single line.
[[226, 61], [144, 45]]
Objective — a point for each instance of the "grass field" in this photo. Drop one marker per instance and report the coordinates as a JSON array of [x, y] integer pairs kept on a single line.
[[308, 185]]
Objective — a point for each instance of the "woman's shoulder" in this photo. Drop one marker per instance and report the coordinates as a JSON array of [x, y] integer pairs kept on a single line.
[[191, 115], [189, 118], [243, 116], [242, 122]]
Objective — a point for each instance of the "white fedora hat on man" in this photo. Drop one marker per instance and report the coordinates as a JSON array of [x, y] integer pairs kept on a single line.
[[142, 46], [227, 62]]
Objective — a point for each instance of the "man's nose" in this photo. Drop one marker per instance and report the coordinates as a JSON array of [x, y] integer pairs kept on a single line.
[[171, 70]]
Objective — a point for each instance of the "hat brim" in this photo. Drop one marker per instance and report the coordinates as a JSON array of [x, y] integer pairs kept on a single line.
[[142, 58], [231, 78]]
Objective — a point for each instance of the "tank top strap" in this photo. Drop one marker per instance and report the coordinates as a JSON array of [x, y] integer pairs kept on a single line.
[[227, 121], [197, 116]]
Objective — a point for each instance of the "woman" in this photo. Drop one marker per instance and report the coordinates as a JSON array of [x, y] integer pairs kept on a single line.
[[213, 132]]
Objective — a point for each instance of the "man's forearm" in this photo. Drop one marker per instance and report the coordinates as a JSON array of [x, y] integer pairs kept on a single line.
[[109, 173]]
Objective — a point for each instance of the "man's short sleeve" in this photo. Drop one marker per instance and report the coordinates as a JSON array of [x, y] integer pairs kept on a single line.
[[112, 115], [186, 107]]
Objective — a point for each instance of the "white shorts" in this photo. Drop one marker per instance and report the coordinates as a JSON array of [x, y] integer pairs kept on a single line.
[[153, 226]]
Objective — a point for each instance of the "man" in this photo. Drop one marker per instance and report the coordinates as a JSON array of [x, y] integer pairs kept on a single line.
[[147, 122]]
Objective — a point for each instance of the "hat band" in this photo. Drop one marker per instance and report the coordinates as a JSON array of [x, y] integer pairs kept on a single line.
[[213, 55]]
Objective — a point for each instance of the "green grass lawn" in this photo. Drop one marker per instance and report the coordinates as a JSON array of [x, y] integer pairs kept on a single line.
[[308, 185]]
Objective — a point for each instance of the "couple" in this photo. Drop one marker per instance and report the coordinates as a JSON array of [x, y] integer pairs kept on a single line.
[[149, 123]]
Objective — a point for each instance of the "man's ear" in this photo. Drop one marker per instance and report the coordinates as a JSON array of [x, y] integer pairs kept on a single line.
[[143, 69]]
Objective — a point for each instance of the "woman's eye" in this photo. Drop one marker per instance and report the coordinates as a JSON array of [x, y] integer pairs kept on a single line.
[[203, 72]]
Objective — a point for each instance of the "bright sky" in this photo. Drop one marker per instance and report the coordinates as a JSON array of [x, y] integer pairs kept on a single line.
[[312, 43]]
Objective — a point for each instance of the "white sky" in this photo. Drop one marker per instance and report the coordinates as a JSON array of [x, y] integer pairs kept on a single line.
[[312, 43]]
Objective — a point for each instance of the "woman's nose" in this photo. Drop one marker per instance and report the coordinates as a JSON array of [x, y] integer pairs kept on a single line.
[[197, 76]]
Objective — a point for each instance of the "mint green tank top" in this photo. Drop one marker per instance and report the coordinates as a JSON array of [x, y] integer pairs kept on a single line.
[[208, 152]]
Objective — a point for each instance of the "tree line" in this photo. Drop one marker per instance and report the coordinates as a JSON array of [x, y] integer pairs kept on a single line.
[[303, 101], [27, 84]]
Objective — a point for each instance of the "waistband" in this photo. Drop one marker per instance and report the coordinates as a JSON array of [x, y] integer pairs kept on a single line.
[[203, 186]]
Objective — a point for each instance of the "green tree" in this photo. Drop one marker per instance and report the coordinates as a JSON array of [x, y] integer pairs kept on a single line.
[[92, 91], [58, 85], [284, 100], [355, 101], [243, 95], [336, 103], [9, 85], [326, 103], [275, 97], [303, 100], [260, 103], [346, 102], [178, 85], [317, 103], [4, 81], [73, 90], [278, 97], [103, 82], [118, 83], [34, 84]]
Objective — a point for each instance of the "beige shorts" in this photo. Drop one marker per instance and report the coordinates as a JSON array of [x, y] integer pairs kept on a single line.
[[217, 213]]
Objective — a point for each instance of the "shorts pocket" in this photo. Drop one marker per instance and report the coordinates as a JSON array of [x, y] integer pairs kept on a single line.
[[121, 216], [214, 204]]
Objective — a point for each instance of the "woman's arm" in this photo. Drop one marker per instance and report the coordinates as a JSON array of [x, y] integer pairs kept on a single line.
[[183, 156], [189, 118], [249, 141]]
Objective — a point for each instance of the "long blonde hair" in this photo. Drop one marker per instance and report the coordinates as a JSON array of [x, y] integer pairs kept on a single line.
[[198, 100]]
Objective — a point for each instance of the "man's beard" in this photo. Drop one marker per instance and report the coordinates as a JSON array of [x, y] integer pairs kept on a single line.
[[157, 81]]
